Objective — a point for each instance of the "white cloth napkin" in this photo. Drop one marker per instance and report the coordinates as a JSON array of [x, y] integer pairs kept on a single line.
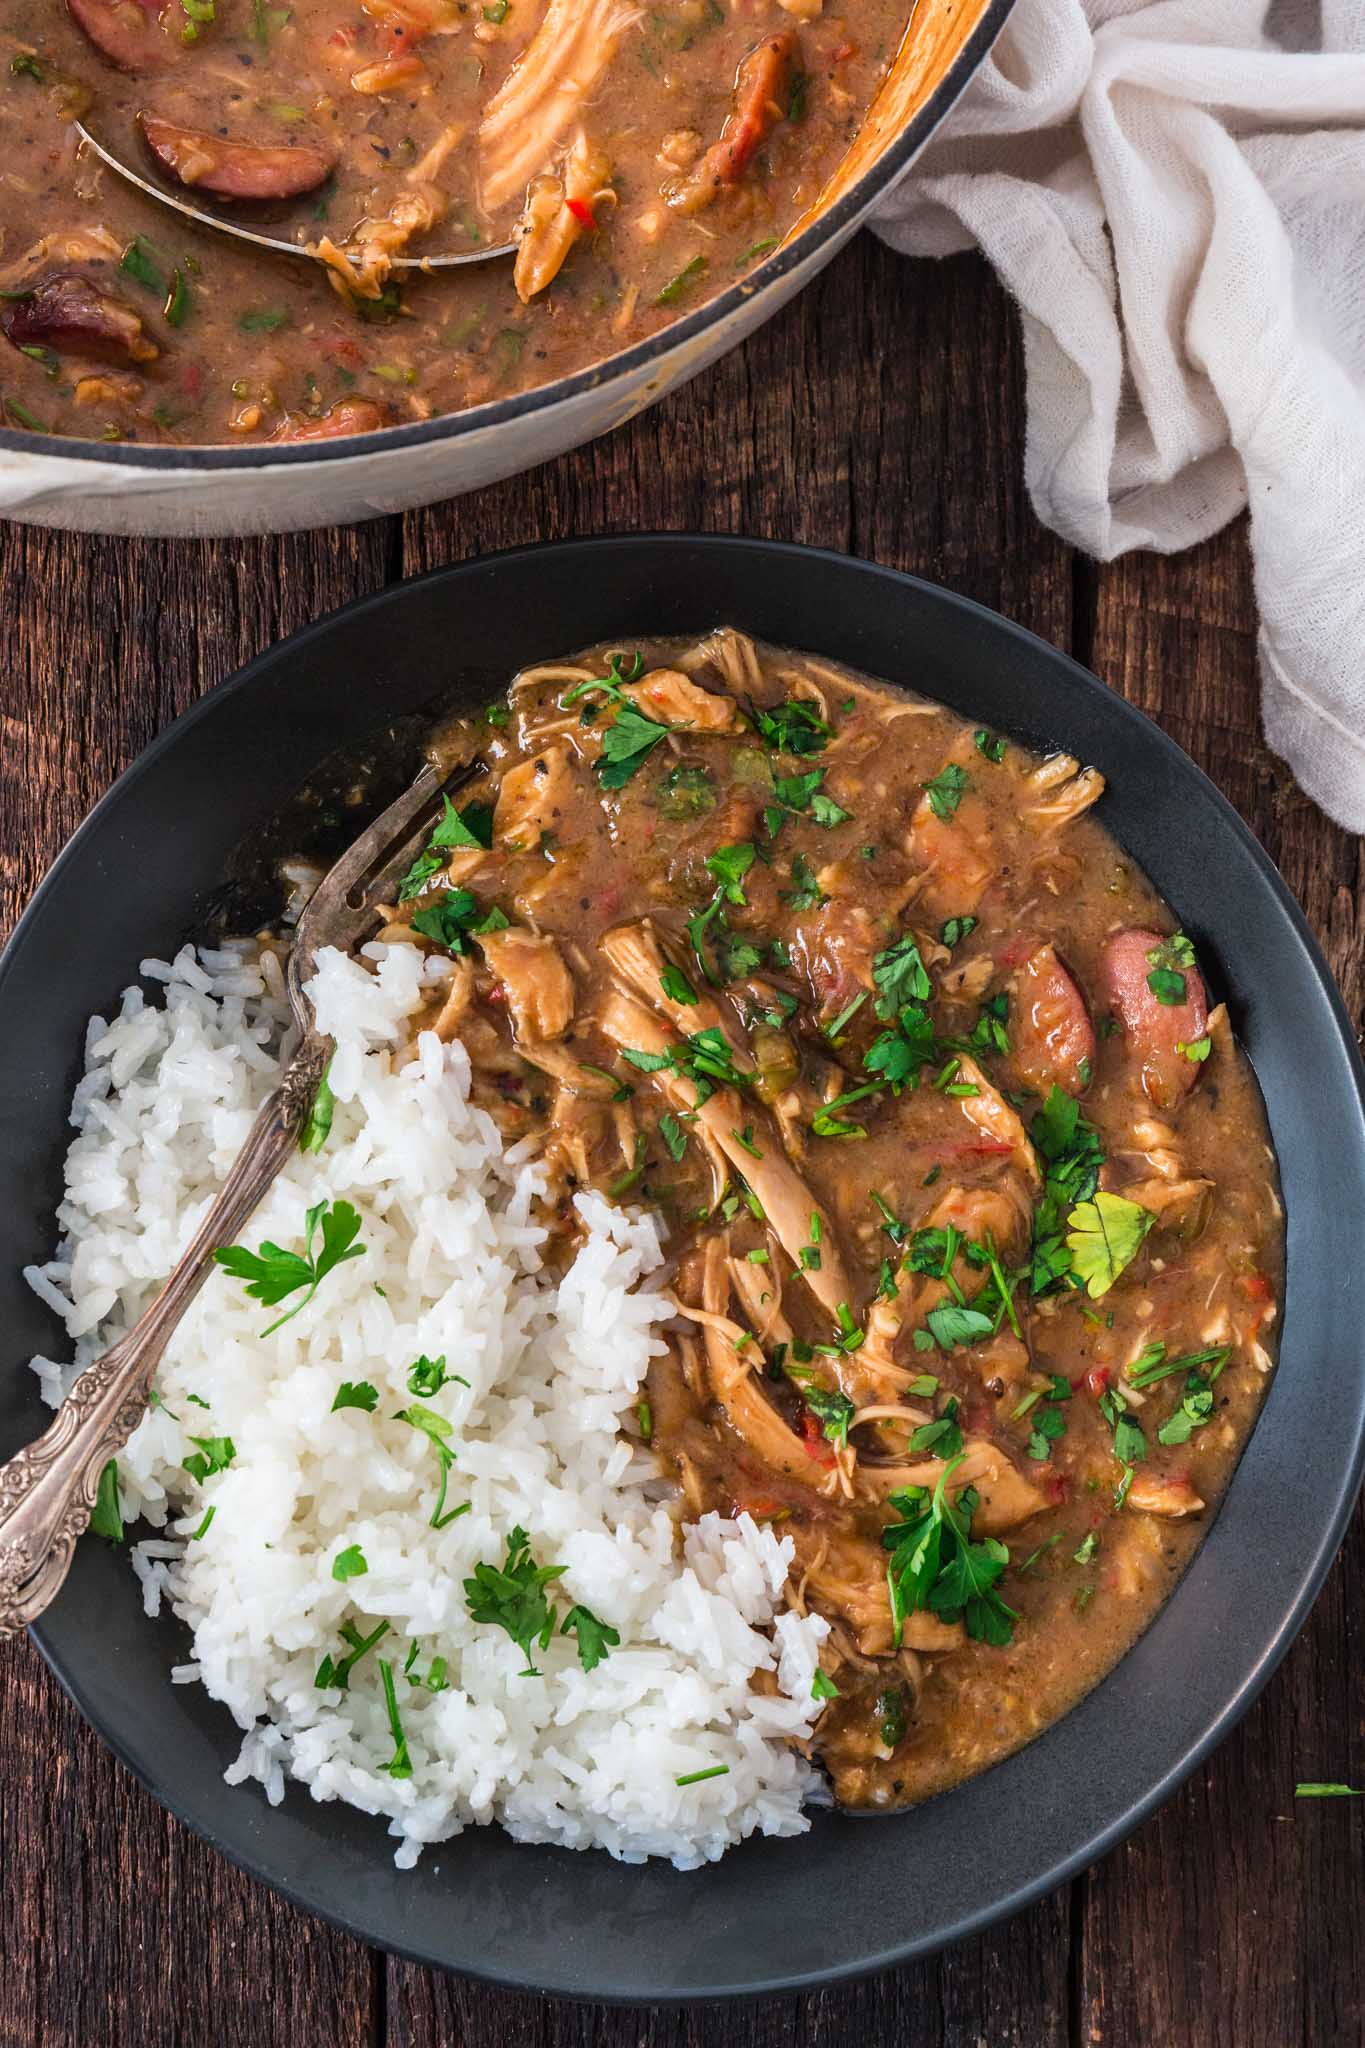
[[1174, 192]]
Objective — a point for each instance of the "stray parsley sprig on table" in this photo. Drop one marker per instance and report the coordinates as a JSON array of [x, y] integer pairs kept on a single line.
[[272, 1274]]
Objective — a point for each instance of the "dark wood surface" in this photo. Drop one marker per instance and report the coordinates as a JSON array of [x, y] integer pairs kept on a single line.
[[881, 414]]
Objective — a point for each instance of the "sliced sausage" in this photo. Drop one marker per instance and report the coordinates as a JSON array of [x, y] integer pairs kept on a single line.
[[234, 170], [347, 416], [762, 99], [65, 312], [1052, 1041], [1155, 1032], [124, 31]]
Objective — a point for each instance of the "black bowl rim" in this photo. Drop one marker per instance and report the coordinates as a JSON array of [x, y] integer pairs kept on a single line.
[[1334, 1512], [452, 426]]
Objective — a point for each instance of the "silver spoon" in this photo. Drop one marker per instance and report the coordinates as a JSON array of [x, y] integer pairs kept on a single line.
[[47, 1490], [218, 226]]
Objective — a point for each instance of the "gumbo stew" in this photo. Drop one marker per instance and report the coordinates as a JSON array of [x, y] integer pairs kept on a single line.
[[974, 1223], [642, 158]]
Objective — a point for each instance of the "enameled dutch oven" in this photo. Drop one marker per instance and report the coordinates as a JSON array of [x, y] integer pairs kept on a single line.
[[95, 487]]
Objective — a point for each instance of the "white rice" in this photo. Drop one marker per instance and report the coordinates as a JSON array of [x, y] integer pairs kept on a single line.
[[581, 1758]]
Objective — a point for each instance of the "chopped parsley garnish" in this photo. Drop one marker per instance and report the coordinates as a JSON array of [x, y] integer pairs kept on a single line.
[[1197, 1050], [705, 1059], [627, 744], [696, 1777], [690, 274], [833, 1410], [686, 792], [204, 1526], [890, 1713], [593, 1636], [271, 1274], [106, 1517], [1196, 1400], [435, 1429], [673, 1135], [1086, 1553], [945, 791], [677, 987], [318, 1125], [822, 1686], [935, 1565], [901, 977], [471, 827], [1166, 961], [991, 744], [1071, 1156], [729, 865], [214, 1454], [138, 263], [427, 1376], [891, 1223], [356, 1394], [950, 1324], [1308, 1791], [452, 917], [794, 727], [1130, 1442], [350, 1563], [512, 1596], [805, 892], [399, 1764], [943, 1437], [1049, 1418], [1104, 1236], [337, 1671], [957, 929]]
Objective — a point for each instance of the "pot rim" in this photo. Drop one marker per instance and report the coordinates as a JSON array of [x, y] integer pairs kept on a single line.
[[845, 214]]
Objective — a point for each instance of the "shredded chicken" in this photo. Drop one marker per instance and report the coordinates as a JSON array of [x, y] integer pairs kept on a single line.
[[545, 92]]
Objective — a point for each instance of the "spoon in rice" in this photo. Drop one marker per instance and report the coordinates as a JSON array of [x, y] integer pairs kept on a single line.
[[47, 1490]]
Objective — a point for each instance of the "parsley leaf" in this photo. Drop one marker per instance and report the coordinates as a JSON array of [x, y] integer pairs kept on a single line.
[[350, 1563], [594, 1636], [945, 791], [950, 1324], [822, 1686], [833, 1410], [106, 1517], [473, 826], [427, 1376], [901, 976], [805, 892], [435, 1429], [626, 745], [729, 865], [511, 1596], [991, 744], [1104, 1236], [318, 1124], [272, 1274], [356, 1394], [677, 987], [935, 1565], [794, 727], [215, 1454], [1166, 980]]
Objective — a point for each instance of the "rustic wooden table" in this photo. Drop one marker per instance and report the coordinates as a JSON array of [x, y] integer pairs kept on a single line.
[[882, 414]]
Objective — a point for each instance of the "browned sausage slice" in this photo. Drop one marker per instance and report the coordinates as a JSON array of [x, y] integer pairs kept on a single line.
[[1052, 1041], [1156, 1031], [347, 416], [762, 99], [65, 312], [234, 170], [124, 31]]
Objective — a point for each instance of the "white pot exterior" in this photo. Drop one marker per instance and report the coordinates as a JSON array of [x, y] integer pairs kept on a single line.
[[335, 483]]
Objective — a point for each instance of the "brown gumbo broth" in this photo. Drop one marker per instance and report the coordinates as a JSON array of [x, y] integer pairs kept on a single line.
[[972, 1214], [644, 157]]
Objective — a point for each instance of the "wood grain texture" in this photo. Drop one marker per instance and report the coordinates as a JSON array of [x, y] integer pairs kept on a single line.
[[880, 415]]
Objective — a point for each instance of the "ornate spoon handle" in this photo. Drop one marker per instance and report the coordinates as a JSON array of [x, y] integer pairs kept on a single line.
[[47, 1490]]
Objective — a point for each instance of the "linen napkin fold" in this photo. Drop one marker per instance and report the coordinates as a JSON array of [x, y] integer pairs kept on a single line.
[[1174, 192]]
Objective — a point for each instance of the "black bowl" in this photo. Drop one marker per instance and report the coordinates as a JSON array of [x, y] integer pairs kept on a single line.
[[853, 1895]]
